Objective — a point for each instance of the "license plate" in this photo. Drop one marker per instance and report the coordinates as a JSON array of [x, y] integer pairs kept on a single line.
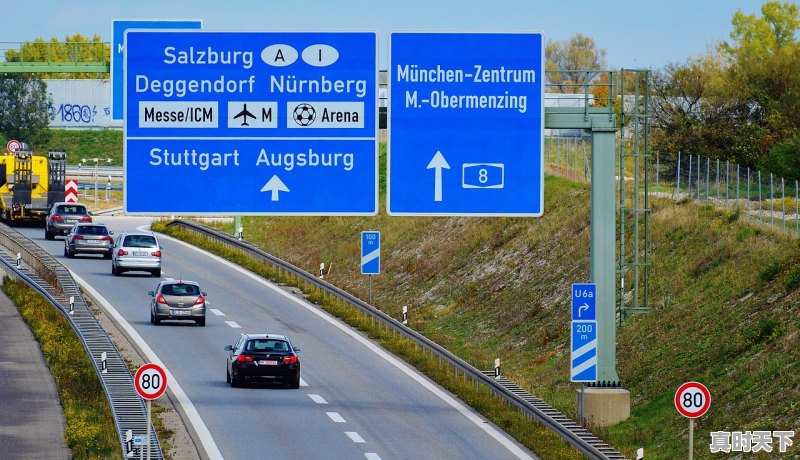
[[179, 312], [139, 253], [267, 362], [93, 241]]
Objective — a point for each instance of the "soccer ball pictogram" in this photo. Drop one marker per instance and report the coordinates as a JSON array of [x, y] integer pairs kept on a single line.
[[304, 114]]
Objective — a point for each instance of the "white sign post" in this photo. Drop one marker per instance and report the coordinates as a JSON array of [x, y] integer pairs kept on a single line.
[[692, 400], [151, 382]]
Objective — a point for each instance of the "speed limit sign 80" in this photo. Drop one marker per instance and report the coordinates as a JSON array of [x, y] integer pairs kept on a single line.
[[692, 399], [150, 381]]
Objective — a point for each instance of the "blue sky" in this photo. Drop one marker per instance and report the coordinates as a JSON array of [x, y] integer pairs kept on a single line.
[[639, 33]]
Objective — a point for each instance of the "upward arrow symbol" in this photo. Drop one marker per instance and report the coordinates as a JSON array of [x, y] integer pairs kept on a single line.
[[275, 185], [438, 163]]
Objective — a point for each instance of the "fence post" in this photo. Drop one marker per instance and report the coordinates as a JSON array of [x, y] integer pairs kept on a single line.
[[717, 204], [748, 189], [708, 177], [737, 184], [771, 202], [760, 205], [585, 162], [658, 158], [678, 178], [796, 210], [689, 180], [727, 179], [783, 206]]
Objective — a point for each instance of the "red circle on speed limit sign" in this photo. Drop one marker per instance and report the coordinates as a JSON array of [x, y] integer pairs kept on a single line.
[[692, 399], [150, 381]]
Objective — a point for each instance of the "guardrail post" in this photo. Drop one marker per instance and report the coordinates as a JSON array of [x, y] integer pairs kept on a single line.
[[71, 305], [103, 363], [496, 367], [405, 315], [19, 258]]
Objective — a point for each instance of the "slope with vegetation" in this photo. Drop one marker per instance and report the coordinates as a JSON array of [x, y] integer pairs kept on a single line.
[[723, 296]]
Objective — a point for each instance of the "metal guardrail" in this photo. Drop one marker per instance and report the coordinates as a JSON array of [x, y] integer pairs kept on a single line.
[[52, 280], [569, 430]]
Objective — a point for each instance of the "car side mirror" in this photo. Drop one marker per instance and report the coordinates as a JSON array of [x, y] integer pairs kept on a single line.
[[204, 293], [228, 347], [151, 293], [110, 232], [90, 213], [297, 349]]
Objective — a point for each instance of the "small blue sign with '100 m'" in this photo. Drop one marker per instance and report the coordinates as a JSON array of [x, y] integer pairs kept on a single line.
[[370, 253]]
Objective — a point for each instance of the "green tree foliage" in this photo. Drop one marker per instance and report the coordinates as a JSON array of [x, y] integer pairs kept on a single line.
[[565, 59], [75, 48], [740, 102], [24, 103]]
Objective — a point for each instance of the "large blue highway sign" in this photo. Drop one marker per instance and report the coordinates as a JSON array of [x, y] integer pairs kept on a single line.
[[118, 51], [466, 124], [370, 253], [258, 123], [583, 356]]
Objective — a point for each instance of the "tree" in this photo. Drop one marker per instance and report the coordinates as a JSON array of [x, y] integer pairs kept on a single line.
[[75, 48], [24, 103], [566, 60]]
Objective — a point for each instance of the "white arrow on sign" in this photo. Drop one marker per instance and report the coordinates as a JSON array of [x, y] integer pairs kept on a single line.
[[275, 185], [583, 307], [438, 163]]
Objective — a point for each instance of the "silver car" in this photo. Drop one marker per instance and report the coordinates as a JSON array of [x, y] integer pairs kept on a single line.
[[136, 251], [178, 300], [63, 216], [91, 238]]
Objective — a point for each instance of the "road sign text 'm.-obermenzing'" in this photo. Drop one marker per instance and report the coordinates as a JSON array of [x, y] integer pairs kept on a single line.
[[466, 123], [256, 123]]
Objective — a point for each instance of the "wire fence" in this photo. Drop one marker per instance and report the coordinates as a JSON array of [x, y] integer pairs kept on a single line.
[[762, 197]]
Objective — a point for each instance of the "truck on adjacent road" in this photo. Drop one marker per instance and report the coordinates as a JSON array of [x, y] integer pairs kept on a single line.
[[30, 184]]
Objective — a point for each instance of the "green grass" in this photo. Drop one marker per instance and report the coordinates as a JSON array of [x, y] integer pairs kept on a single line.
[[723, 295], [90, 431]]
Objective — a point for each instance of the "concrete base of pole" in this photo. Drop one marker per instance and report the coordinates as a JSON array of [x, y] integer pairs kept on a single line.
[[603, 406]]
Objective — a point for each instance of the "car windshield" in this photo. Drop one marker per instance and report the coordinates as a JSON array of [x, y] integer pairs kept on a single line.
[[71, 209], [139, 241], [266, 345], [180, 289], [92, 230]]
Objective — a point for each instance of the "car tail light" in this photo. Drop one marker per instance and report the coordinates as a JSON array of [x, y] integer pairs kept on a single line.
[[244, 359], [86, 219], [290, 359], [156, 253], [107, 238], [122, 252], [77, 237], [57, 218], [200, 300], [160, 299]]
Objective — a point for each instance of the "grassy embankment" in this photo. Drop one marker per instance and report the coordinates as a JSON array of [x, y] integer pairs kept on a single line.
[[723, 294]]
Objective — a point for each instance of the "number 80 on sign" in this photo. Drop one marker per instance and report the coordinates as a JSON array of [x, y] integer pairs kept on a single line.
[[150, 381], [692, 399]]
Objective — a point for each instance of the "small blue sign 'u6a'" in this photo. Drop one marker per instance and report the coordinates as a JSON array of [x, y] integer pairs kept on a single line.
[[584, 296], [583, 358], [370, 253]]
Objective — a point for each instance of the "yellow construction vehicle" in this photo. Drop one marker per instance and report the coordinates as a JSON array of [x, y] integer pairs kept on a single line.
[[30, 184]]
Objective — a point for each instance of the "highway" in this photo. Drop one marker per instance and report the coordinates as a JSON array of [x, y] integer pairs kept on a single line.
[[355, 400]]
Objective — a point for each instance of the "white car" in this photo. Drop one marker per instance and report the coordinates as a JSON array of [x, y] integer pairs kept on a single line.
[[136, 251]]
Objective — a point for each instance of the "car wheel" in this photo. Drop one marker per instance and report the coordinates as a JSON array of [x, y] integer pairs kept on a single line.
[[295, 384], [201, 322], [156, 273], [227, 375], [152, 317], [156, 320], [107, 256], [66, 253], [48, 235], [235, 380]]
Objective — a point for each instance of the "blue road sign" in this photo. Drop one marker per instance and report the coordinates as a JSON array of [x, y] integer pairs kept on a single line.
[[584, 297], [370, 253], [257, 123], [583, 358], [466, 124], [118, 51]]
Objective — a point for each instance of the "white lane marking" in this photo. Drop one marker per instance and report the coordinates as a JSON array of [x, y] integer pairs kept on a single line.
[[174, 388], [217, 312], [336, 417], [355, 437], [233, 324], [372, 456], [405, 368], [303, 383], [317, 399]]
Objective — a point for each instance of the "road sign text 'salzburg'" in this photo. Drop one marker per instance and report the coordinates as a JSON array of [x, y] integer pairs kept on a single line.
[[255, 123]]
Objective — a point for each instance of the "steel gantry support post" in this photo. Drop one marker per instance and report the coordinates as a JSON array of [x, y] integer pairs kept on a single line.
[[603, 248]]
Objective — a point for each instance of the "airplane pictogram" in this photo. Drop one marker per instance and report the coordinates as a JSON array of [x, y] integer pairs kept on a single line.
[[244, 114]]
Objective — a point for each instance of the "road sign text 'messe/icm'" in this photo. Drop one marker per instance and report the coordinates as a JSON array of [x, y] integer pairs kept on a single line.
[[215, 106]]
